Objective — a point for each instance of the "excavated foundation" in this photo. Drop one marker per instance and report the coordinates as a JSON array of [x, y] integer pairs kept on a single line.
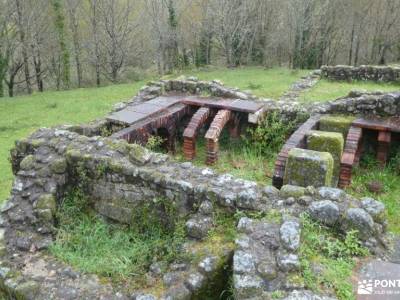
[[119, 178]]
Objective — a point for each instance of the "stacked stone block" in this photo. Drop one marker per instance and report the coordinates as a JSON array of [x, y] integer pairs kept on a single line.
[[331, 142], [309, 168]]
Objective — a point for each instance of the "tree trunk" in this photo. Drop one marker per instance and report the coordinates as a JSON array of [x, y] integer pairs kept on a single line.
[[351, 45], [38, 74], [96, 41], [357, 52], [74, 26], [3, 69], [59, 25], [24, 47], [11, 89]]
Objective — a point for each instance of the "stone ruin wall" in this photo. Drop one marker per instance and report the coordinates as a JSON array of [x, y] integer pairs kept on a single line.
[[362, 73], [355, 103], [51, 158], [47, 163]]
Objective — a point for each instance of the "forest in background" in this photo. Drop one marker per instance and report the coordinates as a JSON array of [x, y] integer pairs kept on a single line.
[[62, 44]]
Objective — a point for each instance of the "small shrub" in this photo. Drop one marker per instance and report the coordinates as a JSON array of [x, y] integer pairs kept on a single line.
[[270, 135], [155, 142]]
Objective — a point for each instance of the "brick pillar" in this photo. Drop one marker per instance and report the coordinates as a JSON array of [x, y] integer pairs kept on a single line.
[[345, 175], [351, 156], [191, 131], [212, 151], [384, 138], [234, 126], [220, 120], [189, 148]]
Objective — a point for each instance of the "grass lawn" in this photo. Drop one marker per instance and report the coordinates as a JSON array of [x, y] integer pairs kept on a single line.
[[22, 115], [234, 158], [268, 83], [326, 90]]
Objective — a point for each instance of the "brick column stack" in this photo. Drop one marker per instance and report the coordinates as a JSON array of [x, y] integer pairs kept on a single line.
[[191, 131], [350, 155], [222, 117]]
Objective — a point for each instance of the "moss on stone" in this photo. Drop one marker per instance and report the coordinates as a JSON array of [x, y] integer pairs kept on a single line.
[[46, 201], [27, 290], [308, 167], [36, 143], [331, 142], [120, 146], [113, 165], [22, 145], [73, 155], [58, 166], [292, 191], [139, 155], [28, 163], [338, 123]]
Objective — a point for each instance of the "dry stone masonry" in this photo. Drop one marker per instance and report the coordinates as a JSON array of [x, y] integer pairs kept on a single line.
[[363, 73], [119, 177]]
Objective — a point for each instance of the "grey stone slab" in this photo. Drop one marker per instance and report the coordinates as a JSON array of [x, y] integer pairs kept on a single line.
[[166, 101], [126, 116], [245, 106], [145, 108]]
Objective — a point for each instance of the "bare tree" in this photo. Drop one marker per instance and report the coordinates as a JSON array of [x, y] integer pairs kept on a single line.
[[73, 7], [95, 55], [118, 27], [21, 24]]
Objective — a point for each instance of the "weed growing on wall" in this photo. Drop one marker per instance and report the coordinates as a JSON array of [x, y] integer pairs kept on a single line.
[[154, 143], [270, 134], [328, 258]]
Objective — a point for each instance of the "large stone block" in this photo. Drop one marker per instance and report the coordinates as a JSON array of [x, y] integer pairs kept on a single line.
[[309, 168], [331, 142], [339, 124]]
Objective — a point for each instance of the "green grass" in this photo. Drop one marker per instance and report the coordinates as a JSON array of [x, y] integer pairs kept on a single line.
[[389, 177], [326, 90], [268, 83], [117, 252], [22, 115], [335, 256], [236, 159]]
